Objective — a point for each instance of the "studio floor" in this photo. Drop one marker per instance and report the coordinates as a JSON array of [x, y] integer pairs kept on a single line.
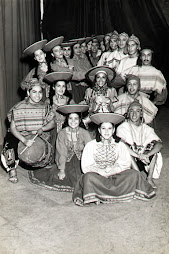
[[34, 220]]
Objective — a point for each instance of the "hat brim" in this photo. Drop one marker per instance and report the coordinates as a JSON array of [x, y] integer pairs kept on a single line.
[[79, 41], [55, 42], [111, 74], [73, 108], [35, 46], [107, 118], [58, 76], [68, 44]]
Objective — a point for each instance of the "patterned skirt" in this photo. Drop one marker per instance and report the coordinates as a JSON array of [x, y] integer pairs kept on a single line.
[[122, 187], [48, 177]]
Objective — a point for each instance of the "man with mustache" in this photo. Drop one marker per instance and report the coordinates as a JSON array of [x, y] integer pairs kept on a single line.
[[151, 79]]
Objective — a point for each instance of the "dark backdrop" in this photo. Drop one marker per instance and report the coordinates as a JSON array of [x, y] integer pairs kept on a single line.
[[78, 18]]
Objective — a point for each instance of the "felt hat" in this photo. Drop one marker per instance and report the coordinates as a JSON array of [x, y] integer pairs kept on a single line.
[[56, 76], [105, 69], [68, 44], [73, 108], [132, 77], [51, 44], [99, 37], [33, 47], [107, 118], [79, 41]]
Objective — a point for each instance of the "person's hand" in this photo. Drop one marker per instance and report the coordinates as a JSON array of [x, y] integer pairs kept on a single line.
[[144, 158], [40, 131], [61, 174], [29, 142]]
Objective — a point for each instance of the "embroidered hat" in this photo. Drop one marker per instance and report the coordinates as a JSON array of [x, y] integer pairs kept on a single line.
[[114, 35], [34, 82], [105, 69], [33, 47], [107, 118], [73, 108], [125, 35], [56, 76], [135, 39], [51, 44]]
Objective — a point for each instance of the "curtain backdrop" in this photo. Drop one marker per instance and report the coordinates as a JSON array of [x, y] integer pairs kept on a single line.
[[19, 27], [144, 18]]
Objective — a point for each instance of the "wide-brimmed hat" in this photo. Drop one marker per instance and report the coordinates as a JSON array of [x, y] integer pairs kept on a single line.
[[87, 39], [58, 76], [51, 44], [79, 40], [73, 108], [105, 69], [33, 47], [107, 118], [68, 44]]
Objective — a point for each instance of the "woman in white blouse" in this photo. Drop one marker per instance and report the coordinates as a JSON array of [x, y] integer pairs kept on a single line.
[[106, 164]]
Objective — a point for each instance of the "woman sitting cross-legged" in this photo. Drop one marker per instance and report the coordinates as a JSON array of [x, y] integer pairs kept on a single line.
[[143, 143], [69, 146], [106, 164]]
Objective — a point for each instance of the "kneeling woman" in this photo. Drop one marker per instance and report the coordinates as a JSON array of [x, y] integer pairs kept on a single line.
[[106, 164]]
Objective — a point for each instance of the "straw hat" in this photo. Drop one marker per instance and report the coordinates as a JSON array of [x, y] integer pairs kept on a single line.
[[105, 69], [56, 76], [107, 118], [73, 108], [33, 47], [55, 42]]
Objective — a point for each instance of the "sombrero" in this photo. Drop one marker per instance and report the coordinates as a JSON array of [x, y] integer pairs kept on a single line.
[[79, 41], [55, 42], [73, 108], [107, 118], [35, 46], [68, 44], [87, 39], [93, 71], [56, 76]]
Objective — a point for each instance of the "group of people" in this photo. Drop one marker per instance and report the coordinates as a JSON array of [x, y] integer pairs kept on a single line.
[[86, 123]]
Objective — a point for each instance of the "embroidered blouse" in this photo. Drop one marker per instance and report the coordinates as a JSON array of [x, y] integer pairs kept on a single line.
[[70, 143], [105, 159]]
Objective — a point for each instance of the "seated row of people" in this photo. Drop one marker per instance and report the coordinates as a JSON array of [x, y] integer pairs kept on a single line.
[[35, 117]]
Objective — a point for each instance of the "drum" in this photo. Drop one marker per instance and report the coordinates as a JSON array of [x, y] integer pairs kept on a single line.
[[39, 154]]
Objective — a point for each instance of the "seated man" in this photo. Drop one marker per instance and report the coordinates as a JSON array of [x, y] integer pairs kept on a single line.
[[143, 143], [152, 80], [133, 93], [28, 119]]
